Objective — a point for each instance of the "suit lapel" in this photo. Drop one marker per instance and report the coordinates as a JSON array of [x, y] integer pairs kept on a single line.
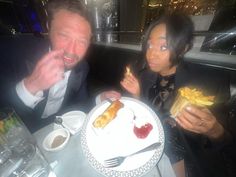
[[74, 83]]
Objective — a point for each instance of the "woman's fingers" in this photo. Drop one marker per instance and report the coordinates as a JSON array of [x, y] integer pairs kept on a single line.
[[110, 94], [191, 124], [199, 120], [131, 84]]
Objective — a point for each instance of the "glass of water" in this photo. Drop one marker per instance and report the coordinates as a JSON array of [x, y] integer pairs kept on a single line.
[[19, 154]]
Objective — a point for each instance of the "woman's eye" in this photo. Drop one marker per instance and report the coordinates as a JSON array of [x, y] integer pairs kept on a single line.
[[163, 48], [150, 46]]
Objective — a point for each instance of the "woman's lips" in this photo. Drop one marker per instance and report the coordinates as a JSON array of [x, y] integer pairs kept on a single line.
[[152, 65]]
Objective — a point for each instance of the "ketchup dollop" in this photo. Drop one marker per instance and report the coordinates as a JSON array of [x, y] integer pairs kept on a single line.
[[143, 131]]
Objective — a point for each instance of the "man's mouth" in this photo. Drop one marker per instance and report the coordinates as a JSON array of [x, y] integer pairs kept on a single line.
[[68, 60]]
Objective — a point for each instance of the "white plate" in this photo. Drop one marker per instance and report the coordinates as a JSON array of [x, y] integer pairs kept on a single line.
[[73, 121], [118, 139]]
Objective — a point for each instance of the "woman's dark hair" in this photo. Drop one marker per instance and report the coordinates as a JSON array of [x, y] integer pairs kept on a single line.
[[179, 34], [75, 6]]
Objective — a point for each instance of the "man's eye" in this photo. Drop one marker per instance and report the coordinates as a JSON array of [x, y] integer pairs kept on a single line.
[[83, 43], [163, 48], [62, 35]]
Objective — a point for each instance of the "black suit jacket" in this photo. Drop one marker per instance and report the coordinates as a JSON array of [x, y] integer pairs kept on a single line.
[[19, 63], [205, 156]]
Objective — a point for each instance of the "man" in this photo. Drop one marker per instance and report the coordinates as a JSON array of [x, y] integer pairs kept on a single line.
[[58, 77]]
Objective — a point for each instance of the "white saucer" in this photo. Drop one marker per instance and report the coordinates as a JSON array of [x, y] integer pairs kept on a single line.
[[73, 121], [52, 174]]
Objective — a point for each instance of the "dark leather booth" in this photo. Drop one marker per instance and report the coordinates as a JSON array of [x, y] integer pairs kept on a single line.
[[107, 63]]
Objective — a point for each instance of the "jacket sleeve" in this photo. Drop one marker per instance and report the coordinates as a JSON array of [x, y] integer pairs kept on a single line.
[[221, 112], [9, 77]]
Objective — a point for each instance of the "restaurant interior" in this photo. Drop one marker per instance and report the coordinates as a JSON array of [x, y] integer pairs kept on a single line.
[[118, 28]]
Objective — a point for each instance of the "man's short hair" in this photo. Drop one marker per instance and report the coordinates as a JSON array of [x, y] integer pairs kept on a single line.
[[75, 6]]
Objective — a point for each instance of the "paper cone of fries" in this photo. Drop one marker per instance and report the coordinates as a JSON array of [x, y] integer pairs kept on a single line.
[[187, 96]]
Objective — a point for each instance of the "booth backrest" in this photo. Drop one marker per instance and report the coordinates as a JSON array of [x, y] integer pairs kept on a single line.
[[107, 63]]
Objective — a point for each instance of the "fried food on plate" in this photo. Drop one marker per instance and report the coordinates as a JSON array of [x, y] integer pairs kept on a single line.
[[108, 115], [187, 96]]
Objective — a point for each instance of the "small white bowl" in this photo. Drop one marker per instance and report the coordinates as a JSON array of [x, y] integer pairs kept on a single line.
[[50, 138]]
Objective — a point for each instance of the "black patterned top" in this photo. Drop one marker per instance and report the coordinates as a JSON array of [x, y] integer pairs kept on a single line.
[[159, 94], [161, 90]]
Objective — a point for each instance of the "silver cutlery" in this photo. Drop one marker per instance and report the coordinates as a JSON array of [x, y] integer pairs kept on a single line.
[[58, 120], [116, 161]]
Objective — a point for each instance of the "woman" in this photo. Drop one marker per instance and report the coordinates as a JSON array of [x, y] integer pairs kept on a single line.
[[198, 132], [165, 43]]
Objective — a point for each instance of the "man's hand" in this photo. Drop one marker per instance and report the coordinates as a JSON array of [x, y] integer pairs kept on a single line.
[[48, 71], [201, 121], [131, 84]]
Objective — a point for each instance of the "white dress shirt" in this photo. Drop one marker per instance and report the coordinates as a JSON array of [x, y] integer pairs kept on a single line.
[[55, 96]]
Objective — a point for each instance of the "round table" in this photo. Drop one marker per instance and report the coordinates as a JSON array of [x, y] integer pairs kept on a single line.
[[71, 162]]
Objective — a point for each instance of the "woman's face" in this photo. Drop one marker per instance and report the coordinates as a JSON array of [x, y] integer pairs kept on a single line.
[[158, 53]]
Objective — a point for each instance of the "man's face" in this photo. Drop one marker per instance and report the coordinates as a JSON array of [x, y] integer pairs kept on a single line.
[[70, 32]]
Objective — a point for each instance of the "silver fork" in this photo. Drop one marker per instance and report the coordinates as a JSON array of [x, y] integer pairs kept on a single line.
[[116, 161]]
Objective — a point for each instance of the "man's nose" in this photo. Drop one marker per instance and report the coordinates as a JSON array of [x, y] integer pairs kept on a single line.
[[71, 47]]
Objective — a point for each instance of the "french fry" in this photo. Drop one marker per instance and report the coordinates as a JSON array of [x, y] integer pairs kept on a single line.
[[196, 97], [128, 71], [189, 96]]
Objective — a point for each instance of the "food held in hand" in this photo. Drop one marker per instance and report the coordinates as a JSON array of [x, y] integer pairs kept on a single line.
[[58, 140], [187, 96], [128, 71], [108, 115]]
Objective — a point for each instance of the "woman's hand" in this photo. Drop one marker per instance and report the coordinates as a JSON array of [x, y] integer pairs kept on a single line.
[[131, 84], [111, 94], [201, 121]]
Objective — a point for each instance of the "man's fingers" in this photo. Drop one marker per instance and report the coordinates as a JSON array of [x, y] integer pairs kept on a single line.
[[54, 76], [50, 63], [56, 54], [54, 64]]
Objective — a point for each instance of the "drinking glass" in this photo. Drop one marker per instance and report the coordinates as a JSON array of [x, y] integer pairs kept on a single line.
[[19, 154]]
